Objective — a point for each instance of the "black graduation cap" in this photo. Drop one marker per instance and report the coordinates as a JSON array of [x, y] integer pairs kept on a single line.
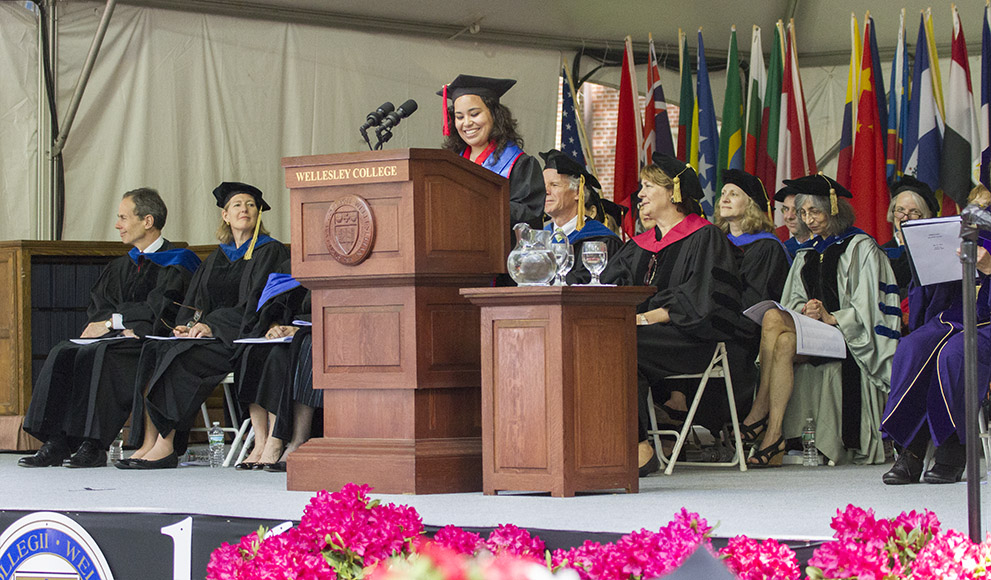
[[685, 179], [822, 186], [227, 189], [784, 192], [565, 165], [750, 185], [484, 87], [909, 183]]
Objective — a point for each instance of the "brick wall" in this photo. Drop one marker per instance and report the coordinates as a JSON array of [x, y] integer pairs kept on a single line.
[[600, 126]]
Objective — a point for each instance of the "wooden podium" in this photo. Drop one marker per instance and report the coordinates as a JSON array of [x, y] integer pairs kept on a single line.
[[384, 240], [559, 387]]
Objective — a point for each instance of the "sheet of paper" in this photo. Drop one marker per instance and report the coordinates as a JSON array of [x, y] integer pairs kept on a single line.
[[813, 337], [181, 338], [263, 340], [92, 340], [932, 246], [302, 323]]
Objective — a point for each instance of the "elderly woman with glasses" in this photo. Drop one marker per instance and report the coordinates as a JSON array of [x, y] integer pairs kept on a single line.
[[911, 199], [842, 279]]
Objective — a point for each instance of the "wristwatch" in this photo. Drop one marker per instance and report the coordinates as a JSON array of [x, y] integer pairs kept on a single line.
[[109, 324]]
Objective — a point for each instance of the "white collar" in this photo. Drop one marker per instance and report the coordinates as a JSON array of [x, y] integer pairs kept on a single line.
[[154, 246], [568, 228]]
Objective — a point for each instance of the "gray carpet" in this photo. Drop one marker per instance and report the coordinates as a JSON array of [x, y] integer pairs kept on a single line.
[[792, 502]]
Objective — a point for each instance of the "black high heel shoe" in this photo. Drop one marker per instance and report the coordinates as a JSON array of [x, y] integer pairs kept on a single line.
[[769, 456], [751, 434]]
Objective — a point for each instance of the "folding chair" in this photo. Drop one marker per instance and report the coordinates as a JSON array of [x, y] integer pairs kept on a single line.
[[718, 368], [238, 432]]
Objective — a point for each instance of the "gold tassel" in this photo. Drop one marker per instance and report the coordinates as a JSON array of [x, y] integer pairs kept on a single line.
[[676, 198], [767, 200], [581, 203], [254, 237], [834, 208]]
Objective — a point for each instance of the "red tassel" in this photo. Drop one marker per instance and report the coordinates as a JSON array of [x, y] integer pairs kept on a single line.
[[447, 127]]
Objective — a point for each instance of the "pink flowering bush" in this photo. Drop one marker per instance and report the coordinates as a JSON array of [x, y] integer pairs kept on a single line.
[[346, 535]]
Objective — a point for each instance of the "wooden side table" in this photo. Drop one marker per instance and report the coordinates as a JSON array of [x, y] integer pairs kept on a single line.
[[559, 396]]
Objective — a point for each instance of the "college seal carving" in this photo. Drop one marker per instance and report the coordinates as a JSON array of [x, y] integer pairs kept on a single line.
[[349, 230]]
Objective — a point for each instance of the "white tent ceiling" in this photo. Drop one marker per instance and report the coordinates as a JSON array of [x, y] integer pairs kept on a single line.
[[823, 28]]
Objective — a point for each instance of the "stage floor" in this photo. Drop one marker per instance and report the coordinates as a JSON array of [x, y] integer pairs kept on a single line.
[[792, 502]]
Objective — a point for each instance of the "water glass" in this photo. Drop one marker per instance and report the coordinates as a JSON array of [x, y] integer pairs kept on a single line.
[[595, 256]]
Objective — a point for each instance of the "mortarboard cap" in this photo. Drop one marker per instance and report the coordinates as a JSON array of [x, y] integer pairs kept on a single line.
[[822, 186], [227, 189], [750, 185], [686, 181], [909, 183], [471, 85], [565, 165], [784, 192]]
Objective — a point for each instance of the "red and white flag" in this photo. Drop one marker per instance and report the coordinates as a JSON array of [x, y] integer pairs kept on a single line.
[[795, 155], [628, 140]]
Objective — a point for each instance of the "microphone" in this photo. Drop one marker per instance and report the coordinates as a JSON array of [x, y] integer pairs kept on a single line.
[[393, 118], [375, 117]]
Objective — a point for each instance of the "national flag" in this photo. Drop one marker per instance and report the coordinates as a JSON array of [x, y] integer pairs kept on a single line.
[[756, 86], [656, 127], [868, 177], [897, 105], [924, 131], [986, 97], [850, 107], [731, 150], [796, 157], [687, 103], [961, 140], [879, 94], [626, 177], [767, 150], [573, 142], [708, 134]]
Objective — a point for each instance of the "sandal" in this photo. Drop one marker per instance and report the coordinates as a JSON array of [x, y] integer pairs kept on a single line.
[[769, 456], [751, 434]]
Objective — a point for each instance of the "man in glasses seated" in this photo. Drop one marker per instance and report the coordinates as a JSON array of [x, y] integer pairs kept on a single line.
[[83, 394]]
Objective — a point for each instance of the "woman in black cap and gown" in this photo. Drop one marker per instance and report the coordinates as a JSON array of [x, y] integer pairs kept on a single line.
[[843, 279], [481, 129], [219, 307], [697, 303]]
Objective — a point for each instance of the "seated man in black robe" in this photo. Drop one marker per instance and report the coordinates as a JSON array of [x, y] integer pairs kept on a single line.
[[570, 187], [83, 394]]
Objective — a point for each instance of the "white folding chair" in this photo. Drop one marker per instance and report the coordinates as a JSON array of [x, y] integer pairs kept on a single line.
[[718, 368], [238, 432]]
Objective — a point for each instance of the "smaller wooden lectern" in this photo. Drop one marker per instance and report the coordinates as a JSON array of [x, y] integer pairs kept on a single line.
[[559, 387], [385, 240]]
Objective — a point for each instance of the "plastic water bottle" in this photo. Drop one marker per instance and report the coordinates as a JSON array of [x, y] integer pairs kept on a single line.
[[117, 448], [810, 455], [216, 435]]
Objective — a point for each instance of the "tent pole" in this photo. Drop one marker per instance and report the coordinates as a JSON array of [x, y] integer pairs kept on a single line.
[[84, 75]]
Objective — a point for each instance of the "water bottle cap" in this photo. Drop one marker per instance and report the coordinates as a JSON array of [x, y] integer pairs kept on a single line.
[[216, 423]]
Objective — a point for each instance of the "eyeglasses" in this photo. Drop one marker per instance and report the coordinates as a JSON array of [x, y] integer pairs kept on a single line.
[[197, 314], [811, 212], [912, 214]]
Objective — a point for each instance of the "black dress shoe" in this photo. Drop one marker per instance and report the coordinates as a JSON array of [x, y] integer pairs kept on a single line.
[[247, 466], [942, 473], [170, 461], [49, 455], [277, 467], [907, 469], [89, 454]]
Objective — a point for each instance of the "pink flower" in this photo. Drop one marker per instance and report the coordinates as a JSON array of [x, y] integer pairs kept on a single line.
[[753, 560], [925, 521], [948, 555], [459, 540], [507, 538]]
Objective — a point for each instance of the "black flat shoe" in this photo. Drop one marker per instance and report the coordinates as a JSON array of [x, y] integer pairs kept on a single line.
[[942, 473], [247, 466], [170, 461], [647, 463], [49, 455], [89, 454], [907, 469], [277, 467]]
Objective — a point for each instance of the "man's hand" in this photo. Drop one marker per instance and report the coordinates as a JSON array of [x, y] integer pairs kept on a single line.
[[94, 329], [200, 330], [279, 331]]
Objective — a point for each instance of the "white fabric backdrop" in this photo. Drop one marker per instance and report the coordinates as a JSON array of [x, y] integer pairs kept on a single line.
[[18, 121], [181, 101]]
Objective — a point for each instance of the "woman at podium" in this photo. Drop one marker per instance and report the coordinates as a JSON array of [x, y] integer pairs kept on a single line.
[[481, 129], [219, 306], [697, 303]]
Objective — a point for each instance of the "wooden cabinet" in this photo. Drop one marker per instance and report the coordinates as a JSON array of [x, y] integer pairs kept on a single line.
[[44, 291]]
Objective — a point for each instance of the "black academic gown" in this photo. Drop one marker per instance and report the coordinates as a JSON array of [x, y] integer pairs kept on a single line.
[[263, 371], [698, 282], [85, 391], [180, 374], [526, 192], [898, 259]]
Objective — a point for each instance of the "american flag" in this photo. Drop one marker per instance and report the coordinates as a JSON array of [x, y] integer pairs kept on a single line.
[[571, 141]]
